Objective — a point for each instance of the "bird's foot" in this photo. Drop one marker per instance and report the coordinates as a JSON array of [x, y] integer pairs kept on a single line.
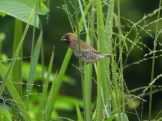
[[80, 68]]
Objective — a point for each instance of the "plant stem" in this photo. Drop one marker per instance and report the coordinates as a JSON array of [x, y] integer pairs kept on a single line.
[[153, 64]]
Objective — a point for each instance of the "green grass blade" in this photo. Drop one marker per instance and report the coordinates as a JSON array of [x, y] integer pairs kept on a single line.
[[33, 65], [99, 99], [17, 75], [87, 91], [34, 62], [17, 68], [79, 114], [100, 45], [56, 86], [87, 81], [45, 88], [109, 26]]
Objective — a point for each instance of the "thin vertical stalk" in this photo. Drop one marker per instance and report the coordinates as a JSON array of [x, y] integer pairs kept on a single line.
[[153, 63], [17, 75], [2, 38], [119, 87], [87, 80], [109, 62], [32, 49], [121, 95], [99, 98], [33, 65], [78, 40], [100, 74], [40, 115]]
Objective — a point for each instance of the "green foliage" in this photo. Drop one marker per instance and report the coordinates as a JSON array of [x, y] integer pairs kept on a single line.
[[30, 90], [14, 57], [56, 86], [10, 86], [45, 89], [17, 75], [5, 114], [34, 61], [21, 9], [117, 116], [79, 114]]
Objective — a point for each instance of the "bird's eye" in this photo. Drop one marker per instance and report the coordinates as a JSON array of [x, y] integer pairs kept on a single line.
[[66, 37]]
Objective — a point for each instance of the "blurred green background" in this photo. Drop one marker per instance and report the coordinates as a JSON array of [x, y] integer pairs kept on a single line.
[[57, 24]]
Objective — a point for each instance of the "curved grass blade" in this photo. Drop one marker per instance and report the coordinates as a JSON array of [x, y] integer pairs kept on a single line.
[[56, 86], [45, 88], [79, 114], [87, 80], [33, 65]]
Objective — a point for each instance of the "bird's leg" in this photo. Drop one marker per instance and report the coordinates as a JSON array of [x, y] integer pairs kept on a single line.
[[79, 54], [80, 68]]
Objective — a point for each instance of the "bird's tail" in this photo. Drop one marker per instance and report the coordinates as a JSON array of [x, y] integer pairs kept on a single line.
[[107, 55]]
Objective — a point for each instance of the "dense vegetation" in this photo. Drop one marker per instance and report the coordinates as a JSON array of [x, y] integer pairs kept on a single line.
[[41, 80]]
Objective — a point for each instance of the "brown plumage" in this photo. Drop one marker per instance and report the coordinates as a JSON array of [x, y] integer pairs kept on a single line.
[[87, 53]]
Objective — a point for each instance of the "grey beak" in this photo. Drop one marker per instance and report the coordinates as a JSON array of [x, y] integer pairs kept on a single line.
[[63, 38]]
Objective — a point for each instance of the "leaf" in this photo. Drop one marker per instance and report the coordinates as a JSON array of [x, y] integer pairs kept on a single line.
[[33, 65], [45, 88], [79, 114], [34, 62], [67, 103], [21, 9], [56, 86], [17, 75], [2, 14]]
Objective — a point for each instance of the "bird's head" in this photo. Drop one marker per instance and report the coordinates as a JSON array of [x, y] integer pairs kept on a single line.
[[69, 38]]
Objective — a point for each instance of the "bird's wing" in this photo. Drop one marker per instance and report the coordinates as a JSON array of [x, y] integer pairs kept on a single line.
[[86, 46]]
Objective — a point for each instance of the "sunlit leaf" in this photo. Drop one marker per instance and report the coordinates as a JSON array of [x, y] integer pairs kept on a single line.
[[21, 9]]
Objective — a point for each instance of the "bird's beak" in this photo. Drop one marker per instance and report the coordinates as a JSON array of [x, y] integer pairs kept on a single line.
[[63, 38]]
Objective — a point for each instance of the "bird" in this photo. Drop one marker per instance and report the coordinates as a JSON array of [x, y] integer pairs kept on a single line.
[[87, 53]]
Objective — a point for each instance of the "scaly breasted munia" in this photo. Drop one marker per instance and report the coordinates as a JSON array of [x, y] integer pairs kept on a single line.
[[86, 52]]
